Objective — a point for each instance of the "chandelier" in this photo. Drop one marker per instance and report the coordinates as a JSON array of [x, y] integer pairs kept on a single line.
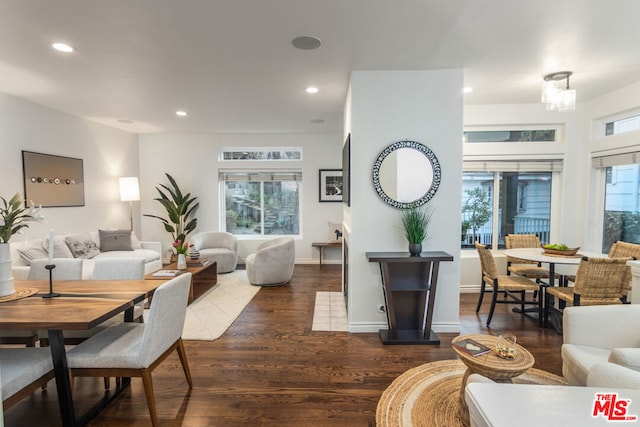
[[554, 96]]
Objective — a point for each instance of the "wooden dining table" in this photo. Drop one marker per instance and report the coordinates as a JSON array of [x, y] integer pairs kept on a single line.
[[82, 304]]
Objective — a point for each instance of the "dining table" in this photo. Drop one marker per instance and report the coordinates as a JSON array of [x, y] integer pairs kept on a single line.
[[540, 256], [81, 305]]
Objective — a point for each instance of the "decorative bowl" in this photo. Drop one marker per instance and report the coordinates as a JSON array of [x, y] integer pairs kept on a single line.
[[567, 252]]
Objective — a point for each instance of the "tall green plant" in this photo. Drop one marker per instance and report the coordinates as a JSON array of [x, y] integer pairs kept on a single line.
[[415, 222], [478, 206], [180, 210]]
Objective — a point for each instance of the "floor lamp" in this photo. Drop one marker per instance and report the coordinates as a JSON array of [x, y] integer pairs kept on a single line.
[[129, 192]]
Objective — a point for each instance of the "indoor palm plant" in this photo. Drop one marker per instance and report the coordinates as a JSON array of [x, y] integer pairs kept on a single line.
[[180, 209], [415, 222]]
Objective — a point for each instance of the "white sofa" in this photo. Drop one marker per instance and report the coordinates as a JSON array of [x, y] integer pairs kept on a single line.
[[495, 404], [21, 251], [601, 333]]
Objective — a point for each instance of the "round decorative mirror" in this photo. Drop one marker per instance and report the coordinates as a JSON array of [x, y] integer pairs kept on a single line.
[[406, 174]]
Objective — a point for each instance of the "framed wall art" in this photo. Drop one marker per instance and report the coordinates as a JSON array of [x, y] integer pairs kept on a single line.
[[52, 181], [330, 185]]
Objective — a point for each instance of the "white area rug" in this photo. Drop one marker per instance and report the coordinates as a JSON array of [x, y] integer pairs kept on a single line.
[[330, 312], [211, 314]]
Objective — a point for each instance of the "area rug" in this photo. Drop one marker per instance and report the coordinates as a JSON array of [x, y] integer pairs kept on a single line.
[[330, 312], [427, 395], [215, 310]]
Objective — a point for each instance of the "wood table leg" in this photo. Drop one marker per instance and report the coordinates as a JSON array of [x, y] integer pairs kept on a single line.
[[463, 410]]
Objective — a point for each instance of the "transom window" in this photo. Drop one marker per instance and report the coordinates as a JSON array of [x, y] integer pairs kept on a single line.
[[261, 203], [261, 154], [531, 135], [623, 125]]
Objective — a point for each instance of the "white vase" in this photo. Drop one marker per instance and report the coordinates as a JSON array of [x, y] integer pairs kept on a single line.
[[182, 262], [6, 276]]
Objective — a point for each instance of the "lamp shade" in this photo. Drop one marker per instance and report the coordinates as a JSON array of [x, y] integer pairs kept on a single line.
[[129, 189]]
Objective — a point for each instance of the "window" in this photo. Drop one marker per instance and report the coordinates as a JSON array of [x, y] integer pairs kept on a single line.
[[623, 125], [621, 205], [261, 203], [261, 154], [536, 135], [523, 203]]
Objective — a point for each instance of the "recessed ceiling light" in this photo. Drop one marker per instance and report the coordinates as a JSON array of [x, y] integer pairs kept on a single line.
[[467, 89], [311, 89], [62, 47], [306, 42], [181, 113]]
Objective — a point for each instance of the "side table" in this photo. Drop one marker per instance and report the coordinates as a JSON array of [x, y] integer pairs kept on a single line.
[[489, 365]]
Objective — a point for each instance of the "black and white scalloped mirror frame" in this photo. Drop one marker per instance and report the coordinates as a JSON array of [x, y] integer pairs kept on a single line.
[[435, 183]]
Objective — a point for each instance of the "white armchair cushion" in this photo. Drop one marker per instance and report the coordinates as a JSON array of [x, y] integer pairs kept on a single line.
[[628, 357], [609, 375], [578, 359], [273, 262], [218, 246]]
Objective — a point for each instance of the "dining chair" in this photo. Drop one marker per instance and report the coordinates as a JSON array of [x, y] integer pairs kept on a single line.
[[121, 269], [523, 267], [508, 286], [66, 269], [135, 349], [22, 371], [599, 281], [619, 249]]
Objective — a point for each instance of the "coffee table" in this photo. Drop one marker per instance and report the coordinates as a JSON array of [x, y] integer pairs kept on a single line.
[[490, 366], [203, 277]]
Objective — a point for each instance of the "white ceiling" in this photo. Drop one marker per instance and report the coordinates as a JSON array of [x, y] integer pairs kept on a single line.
[[231, 65]]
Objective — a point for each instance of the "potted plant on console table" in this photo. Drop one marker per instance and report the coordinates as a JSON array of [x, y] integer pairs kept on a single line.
[[415, 222]]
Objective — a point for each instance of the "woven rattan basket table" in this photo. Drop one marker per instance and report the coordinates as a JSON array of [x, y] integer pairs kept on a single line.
[[490, 366]]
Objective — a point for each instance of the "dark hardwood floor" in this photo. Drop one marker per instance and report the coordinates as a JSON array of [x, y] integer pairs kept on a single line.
[[270, 369]]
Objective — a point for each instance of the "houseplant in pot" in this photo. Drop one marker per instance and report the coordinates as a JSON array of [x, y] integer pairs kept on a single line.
[[13, 218], [180, 209], [414, 223]]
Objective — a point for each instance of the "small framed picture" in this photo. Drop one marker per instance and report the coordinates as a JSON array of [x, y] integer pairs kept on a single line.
[[330, 185]]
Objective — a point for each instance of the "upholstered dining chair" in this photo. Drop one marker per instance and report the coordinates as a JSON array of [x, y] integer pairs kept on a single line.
[[509, 286], [66, 269], [599, 281], [136, 349], [523, 267], [22, 371]]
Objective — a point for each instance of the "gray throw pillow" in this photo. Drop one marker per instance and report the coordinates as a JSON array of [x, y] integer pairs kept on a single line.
[[115, 240], [82, 246]]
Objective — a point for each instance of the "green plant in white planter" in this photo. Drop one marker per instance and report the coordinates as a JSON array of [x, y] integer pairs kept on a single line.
[[415, 222]]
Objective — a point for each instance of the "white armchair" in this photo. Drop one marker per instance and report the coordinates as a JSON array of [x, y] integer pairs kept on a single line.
[[595, 334], [273, 262], [218, 246]]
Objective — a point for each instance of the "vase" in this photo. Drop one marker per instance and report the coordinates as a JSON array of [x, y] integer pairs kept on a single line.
[[6, 276], [415, 249], [182, 262]]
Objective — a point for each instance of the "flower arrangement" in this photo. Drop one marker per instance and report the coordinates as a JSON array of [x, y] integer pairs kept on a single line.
[[181, 247], [14, 218]]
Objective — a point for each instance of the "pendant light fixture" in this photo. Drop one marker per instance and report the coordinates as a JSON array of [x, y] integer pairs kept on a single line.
[[554, 96]]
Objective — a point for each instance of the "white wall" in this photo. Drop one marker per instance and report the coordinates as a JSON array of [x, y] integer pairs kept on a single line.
[[384, 107], [192, 159], [107, 153]]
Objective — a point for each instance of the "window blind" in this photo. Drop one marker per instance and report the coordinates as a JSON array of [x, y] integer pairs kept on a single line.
[[512, 166], [616, 160]]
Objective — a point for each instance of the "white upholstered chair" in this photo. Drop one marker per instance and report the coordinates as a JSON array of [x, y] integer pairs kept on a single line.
[[136, 349], [273, 262], [600, 333], [22, 371], [66, 269], [218, 246]]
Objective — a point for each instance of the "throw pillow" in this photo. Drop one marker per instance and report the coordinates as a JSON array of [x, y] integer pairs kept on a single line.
[[115, 240], [60, 248], [29, 253], [335, 232], [82, 246]]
